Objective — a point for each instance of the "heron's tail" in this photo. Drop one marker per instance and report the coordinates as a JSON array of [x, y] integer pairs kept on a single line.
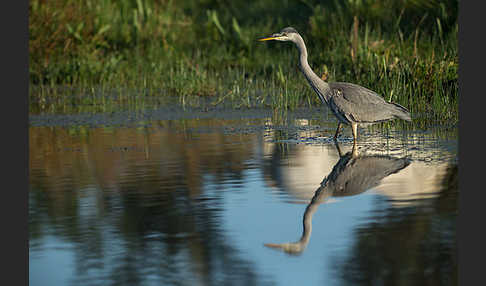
[[401, 112]]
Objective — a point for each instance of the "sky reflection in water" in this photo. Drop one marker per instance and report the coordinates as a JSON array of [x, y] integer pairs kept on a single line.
[[192, 202]]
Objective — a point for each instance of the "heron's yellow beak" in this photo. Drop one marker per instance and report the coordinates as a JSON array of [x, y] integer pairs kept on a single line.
[[269, 38]]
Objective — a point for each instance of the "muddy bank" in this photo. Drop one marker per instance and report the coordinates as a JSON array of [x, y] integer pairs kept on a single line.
[[143, 117]]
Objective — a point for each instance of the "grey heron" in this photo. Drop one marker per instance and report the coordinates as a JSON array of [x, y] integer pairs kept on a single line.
[[352, 104], [352, 175]]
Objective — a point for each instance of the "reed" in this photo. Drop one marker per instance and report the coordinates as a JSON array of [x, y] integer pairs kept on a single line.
[[106, 55]]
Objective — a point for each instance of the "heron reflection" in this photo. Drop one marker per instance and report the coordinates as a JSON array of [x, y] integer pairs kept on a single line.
[[353, 174]]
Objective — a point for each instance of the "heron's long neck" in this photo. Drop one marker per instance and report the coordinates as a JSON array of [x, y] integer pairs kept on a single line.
[[321, 195], [318, 85]]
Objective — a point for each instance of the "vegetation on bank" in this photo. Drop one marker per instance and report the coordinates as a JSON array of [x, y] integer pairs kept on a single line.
[[405, 50]]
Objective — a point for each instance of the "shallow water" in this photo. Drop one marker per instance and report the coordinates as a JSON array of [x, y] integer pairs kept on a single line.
[[239, 198]]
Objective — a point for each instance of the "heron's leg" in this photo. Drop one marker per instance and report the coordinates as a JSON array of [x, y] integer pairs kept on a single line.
[[354, 153], [354, 126], [338, 148], [337, 130]]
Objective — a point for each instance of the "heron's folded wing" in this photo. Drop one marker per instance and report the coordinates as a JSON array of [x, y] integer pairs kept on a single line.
[[359, 104]]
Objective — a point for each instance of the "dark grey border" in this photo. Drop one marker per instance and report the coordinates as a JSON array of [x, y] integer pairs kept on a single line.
[[14, 116], [471, 109]]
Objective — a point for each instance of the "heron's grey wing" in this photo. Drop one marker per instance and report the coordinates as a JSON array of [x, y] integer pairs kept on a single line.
[[358, 103], [365, 172]]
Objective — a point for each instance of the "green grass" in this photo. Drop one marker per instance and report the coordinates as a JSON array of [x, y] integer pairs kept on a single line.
[[105, 55]]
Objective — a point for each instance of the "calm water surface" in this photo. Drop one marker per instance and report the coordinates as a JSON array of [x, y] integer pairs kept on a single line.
[[241, 201]]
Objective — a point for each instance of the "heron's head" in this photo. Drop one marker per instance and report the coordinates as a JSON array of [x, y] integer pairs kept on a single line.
[[287, 34], [291, 248]]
